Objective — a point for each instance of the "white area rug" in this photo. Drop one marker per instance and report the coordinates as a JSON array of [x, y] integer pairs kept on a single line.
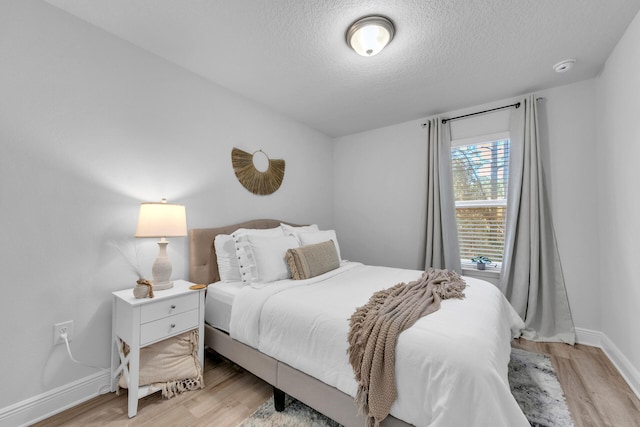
[[533, 383]]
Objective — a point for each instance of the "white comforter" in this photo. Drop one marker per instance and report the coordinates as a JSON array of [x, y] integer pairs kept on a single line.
[[451, 366]]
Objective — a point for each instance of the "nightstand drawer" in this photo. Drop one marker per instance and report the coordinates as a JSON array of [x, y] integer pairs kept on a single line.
[[168, 307], [168, 326]]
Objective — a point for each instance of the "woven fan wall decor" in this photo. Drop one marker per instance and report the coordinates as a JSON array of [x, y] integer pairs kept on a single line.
[[252, 179]]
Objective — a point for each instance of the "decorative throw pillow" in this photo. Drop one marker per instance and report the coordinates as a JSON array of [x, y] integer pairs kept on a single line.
[[171, 365], [228, 266], [312, 260], [269, 253], [311, 237], [244, 253]]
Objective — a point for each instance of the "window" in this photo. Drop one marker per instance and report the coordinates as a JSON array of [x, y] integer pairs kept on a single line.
[[480, 175]]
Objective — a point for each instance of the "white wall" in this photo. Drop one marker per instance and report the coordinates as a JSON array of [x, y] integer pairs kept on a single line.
[[380, 188], [90, 126], [618, 173], [379, 195], [569, 128]]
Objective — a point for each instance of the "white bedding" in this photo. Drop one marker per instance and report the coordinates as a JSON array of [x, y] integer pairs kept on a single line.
[[451, 366], [220, 296]]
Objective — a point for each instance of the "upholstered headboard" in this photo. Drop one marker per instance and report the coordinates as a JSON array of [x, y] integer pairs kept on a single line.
[[203, 263]]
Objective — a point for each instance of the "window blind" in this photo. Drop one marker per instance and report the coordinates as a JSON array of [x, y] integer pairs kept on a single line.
[[480, 179]]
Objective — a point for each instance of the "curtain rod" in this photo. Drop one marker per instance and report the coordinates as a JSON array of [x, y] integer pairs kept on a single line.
[[517, 105]]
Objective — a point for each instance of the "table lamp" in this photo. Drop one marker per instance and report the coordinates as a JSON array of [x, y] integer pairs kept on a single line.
[[161, 220]]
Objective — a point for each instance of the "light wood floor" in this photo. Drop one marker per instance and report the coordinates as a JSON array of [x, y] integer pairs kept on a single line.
[[596, 395]]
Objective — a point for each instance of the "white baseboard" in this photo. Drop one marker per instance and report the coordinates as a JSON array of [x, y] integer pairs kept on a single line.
[[597, 339], [589, 337], [629, 372], [45, 405]]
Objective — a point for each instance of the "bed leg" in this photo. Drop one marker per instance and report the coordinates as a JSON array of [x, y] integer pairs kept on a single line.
[[278, 399]]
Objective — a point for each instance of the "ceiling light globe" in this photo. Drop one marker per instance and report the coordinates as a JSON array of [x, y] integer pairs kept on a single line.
[[368, 36]]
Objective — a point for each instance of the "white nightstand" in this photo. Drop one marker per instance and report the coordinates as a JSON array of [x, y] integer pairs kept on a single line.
[[144, 321]]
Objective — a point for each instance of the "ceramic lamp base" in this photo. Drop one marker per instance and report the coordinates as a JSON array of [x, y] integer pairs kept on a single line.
[[162, 286], [161, 270]]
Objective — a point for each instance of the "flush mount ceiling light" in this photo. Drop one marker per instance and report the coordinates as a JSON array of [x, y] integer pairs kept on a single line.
[[563, 66], [369, 35]]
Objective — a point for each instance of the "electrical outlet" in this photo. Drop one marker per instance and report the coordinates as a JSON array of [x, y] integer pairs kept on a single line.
[[62, 328]]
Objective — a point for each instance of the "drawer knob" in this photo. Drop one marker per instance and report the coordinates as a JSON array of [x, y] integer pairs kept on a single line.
[[173, 325], [173, 307]]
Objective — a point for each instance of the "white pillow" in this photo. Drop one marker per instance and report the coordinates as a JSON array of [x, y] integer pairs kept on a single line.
[[290, 230], [244, 254], [269, 254], [228, 266], [311, 237]]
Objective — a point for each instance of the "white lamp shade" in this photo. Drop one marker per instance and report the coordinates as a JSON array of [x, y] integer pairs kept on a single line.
[[161, 220], [368, 36]]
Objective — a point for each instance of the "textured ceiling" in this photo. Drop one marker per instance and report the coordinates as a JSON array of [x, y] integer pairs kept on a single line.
[[291, 55]]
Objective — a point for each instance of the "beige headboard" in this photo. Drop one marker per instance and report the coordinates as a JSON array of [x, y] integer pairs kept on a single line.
[[203, 264]]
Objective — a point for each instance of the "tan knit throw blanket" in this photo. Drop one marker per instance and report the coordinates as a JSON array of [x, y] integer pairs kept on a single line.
[[374, 331], [171, 366]]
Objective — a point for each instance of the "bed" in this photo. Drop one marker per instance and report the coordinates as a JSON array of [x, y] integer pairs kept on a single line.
[[451, 366]]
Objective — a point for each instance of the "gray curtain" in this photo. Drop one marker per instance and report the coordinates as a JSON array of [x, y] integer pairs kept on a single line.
[[531, 276], [442, 249]]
